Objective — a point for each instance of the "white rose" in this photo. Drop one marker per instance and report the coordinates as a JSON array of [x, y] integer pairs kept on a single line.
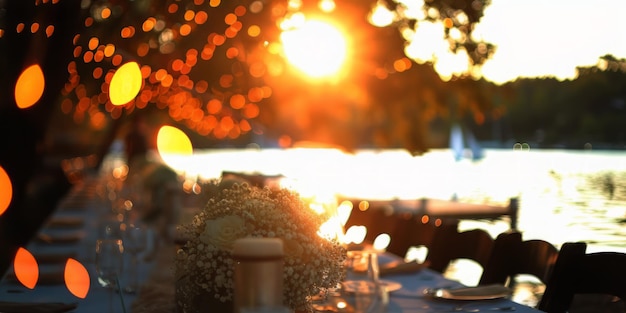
[[292, 248], [222, 232]]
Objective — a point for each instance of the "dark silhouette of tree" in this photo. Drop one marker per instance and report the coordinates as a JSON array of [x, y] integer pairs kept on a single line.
[[569, 114]]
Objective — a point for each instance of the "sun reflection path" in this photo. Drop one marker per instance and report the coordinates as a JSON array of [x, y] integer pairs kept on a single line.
[[370, 174]]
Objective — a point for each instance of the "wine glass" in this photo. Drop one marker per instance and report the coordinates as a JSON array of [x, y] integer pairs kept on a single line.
[[135, 242], [109, 265], [362, 288]]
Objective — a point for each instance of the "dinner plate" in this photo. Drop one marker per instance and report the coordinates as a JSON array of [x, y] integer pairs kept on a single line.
[[486, 292], [353, 286]]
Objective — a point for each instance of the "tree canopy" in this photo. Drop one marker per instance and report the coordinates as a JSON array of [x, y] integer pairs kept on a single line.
[[588, 111], [216, 68]]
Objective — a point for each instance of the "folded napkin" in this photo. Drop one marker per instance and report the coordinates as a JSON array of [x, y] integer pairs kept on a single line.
[[41, 307], [472, 293], [399, 268]]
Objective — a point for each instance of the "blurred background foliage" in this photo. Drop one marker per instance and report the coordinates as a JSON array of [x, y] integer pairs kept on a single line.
[[199, 56]]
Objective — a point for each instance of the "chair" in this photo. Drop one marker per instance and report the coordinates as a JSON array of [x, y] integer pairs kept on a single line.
[[377, 220], [512, 256], [579, 273], [409, 231], [404, 228], [449, 245]]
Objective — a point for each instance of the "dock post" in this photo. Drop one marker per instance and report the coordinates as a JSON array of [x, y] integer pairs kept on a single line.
[[513, 212]]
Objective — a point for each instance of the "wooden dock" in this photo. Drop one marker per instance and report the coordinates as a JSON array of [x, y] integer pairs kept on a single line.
[[441, 209]]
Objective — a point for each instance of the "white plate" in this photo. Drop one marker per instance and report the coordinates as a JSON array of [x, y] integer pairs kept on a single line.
[[352, 286], [470, 293]]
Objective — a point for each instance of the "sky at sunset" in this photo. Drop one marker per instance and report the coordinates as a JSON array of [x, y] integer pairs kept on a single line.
[[536, 38]]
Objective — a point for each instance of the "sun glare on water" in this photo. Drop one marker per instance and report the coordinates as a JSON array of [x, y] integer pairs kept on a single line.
[[316, 48]]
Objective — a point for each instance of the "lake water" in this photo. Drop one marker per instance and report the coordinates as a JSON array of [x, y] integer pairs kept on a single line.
[[564, 195]]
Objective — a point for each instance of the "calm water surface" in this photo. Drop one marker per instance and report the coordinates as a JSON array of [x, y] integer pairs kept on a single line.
[[564, 195]]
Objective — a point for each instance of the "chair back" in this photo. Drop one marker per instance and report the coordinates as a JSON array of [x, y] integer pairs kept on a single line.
[[578, 272], [409, 231], [377, 220], [405, 229], [512, 256], [449, 245]]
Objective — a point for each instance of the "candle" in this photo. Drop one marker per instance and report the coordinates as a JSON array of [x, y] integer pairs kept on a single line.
[[255, 247], [258, 273]]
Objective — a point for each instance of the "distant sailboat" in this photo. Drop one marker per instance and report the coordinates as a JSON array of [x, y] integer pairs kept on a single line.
[[458, 142]]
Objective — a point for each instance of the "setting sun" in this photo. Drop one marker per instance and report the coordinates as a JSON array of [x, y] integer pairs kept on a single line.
[[316, 48]]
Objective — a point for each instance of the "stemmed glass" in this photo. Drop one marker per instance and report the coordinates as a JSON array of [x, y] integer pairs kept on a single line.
[[135, 242], [109, 265], [363, 289]]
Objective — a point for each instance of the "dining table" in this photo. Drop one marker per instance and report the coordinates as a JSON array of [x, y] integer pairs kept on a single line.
[[69, 234], [72, 229], [422, 290]]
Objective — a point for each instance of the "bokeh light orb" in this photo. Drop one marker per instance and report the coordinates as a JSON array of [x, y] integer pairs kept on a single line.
[[174, 147], [171, 140], [29, 86], [76, 278], [26, 268], [7, 190], [125, 84]]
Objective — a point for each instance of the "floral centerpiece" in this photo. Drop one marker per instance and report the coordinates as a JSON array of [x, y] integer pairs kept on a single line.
[[204, 265]]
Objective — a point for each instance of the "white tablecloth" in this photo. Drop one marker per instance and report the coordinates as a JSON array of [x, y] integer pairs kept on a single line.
[[411, 299]]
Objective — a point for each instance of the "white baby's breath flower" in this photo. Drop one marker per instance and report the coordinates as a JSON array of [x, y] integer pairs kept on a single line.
[[245, 211]]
